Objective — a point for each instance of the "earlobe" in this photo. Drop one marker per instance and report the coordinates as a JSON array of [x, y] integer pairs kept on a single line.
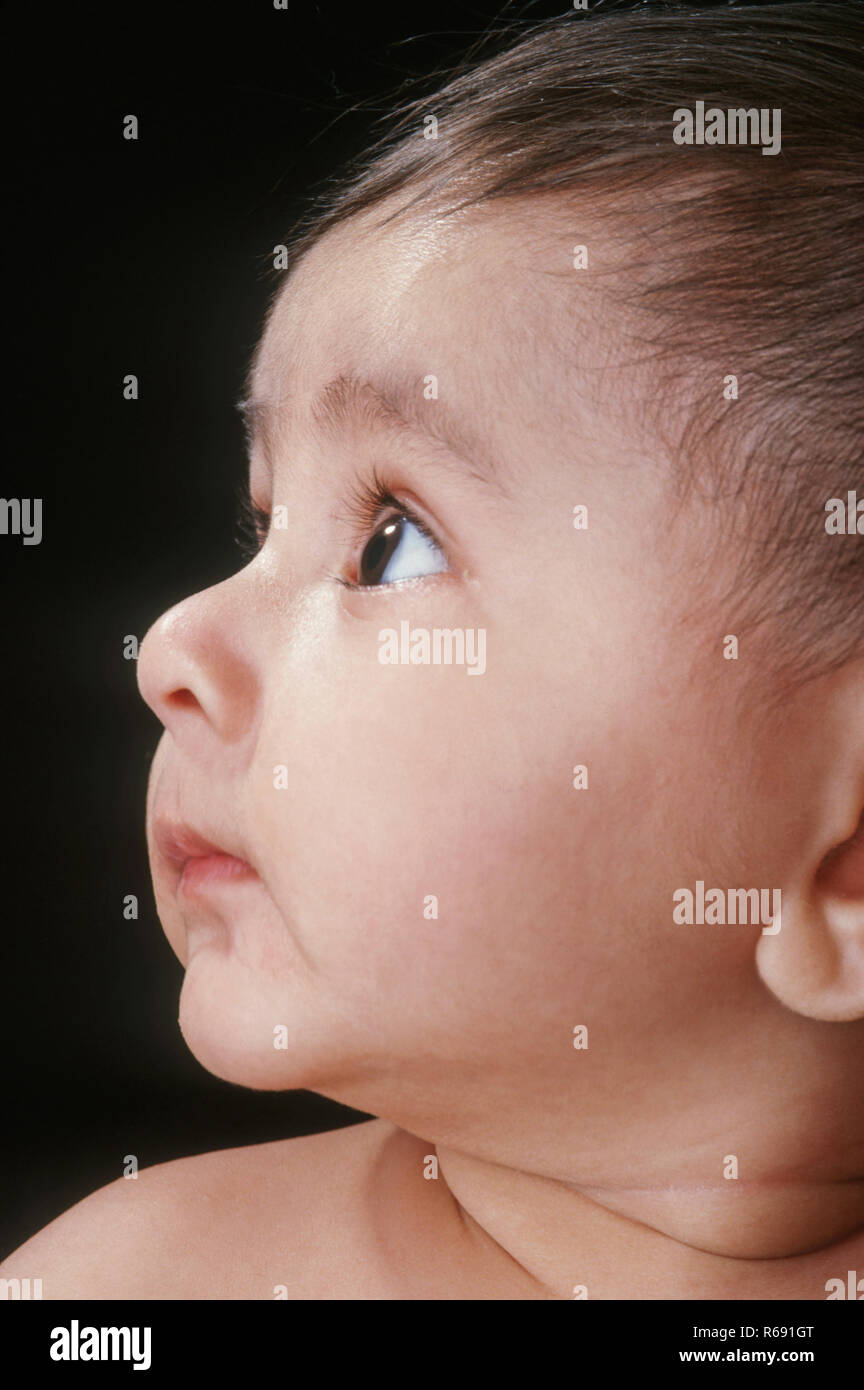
[[815, 964]]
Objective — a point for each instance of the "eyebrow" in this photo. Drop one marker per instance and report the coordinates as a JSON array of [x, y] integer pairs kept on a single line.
[[397, 406]]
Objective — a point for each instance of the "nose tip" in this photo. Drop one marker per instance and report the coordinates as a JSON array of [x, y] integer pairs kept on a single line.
[[191, 671], [162, 677]]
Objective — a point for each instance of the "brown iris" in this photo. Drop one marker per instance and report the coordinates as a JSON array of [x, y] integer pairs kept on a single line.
[[379, 550]]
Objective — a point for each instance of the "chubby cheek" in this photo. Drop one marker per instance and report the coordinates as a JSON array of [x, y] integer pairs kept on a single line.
[[427, 850], [404, 798]]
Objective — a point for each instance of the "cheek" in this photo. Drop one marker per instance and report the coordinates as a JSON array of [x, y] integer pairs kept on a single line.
[[428, 830], [416, 791]]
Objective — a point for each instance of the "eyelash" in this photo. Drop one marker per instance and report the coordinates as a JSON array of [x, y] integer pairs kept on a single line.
[[253, 524], [370, 504]]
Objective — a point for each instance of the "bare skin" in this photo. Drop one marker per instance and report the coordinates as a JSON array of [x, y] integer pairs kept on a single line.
[[332, 1216], [349, 1215], [354, 791]]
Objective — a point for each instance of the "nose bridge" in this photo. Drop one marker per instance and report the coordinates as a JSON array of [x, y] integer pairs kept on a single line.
[[196, 669]]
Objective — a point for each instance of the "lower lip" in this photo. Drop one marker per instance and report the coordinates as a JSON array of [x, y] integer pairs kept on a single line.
[[212, 871]]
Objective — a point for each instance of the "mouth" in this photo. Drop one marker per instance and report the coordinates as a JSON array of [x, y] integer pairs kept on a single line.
[[197, 865]]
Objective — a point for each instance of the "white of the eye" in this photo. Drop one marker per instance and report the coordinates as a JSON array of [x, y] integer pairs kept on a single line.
[[414, 556]]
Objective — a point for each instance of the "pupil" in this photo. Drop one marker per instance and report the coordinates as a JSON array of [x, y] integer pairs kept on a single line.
[[380, 547]]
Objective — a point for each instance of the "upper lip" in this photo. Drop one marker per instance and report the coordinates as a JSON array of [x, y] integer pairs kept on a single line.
[[178, 842]]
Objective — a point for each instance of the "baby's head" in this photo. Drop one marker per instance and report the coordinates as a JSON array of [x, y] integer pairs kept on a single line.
[[554, 644]]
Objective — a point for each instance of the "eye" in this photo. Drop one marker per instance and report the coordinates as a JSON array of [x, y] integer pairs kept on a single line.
[[401, 548]]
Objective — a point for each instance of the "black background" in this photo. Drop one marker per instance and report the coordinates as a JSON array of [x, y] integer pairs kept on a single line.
[[146, 257]]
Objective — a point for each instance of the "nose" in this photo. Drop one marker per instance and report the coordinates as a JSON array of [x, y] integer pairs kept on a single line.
[[195, 671]]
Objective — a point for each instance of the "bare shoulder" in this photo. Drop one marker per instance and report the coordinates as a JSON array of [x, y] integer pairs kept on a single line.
[[258, 1222]]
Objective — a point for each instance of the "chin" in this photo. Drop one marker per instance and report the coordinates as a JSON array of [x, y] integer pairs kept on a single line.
[[232, 1034]]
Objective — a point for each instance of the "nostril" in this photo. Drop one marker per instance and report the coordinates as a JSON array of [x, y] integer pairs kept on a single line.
[[842, 869], [183, 699]]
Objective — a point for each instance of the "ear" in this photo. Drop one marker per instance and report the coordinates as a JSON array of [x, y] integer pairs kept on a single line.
[[815, 963]]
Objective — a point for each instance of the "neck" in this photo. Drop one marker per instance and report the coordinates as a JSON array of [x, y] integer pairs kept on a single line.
[[771, 1239]]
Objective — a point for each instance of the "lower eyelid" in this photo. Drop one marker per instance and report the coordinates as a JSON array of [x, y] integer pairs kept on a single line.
[[377, 601]]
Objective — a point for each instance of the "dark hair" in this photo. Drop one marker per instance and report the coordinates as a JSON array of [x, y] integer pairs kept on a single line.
[[742, 264]]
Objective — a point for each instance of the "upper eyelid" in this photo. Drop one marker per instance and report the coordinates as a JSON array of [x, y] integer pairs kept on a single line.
[[370, 501], [370, 505], [259, 518], [369, 508], [406, 510]]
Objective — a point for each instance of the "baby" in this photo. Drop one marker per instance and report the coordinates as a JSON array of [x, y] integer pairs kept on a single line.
[[512, 791]]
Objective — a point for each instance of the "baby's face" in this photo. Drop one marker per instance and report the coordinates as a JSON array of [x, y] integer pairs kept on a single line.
[[434, 905]]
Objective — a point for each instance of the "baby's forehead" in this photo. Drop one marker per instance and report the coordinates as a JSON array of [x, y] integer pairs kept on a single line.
[[483, 309], [361, 280]]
